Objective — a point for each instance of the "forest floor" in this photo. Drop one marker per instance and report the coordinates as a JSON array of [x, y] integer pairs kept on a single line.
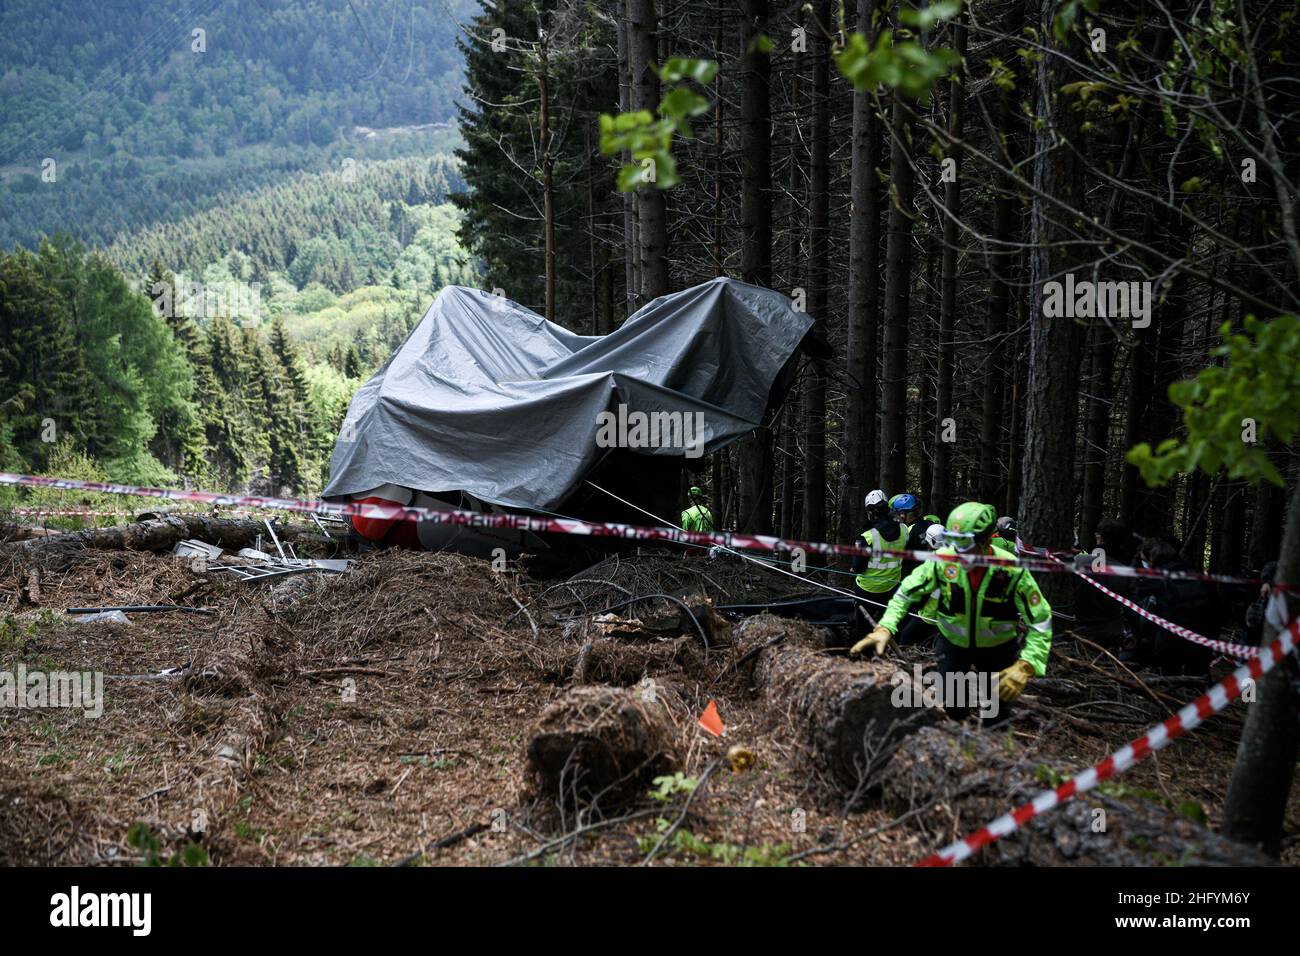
[[360, 718]]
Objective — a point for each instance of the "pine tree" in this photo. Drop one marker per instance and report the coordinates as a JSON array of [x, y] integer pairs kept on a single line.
[[353, 365], [43, 380]]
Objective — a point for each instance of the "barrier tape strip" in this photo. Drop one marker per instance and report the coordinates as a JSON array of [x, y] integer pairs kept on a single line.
[[1124, 571], [1239, 651], [575, 526], [1186, 719]]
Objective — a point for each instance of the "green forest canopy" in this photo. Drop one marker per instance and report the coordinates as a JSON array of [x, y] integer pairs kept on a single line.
[[240, 234], [141, 124]]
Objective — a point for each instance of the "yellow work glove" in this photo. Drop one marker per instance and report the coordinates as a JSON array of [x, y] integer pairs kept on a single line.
[[1013, 680], [877, 641]]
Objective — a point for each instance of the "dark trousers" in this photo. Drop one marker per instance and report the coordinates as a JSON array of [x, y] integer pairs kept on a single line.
[[916, 631], [859, 624], [951, 659]]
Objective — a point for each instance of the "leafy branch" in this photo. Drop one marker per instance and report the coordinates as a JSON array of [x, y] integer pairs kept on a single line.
[[1226, 409], [649, 140]]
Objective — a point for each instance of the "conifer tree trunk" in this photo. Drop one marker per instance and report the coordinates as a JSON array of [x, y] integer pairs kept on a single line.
[[898, 282], [652, 207], [756, 238], [1047, 503], [863, 304], [941, 489], [818, 273]]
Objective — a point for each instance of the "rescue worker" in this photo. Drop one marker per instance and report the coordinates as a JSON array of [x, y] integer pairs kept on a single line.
[[1118, 541], [1005, 537], [904, 508], [977, 611], [877, 576], [1255, 612], [922, 626], [1187, 602], [697, 517]]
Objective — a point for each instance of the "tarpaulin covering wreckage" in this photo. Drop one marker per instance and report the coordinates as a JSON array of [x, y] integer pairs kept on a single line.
[[488, 405]]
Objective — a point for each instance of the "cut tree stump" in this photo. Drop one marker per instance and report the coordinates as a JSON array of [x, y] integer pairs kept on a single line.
[[599, 746], [850, 715], [970, 779]]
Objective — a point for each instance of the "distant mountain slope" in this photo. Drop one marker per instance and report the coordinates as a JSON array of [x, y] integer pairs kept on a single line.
[[120, 113], [361, 204]]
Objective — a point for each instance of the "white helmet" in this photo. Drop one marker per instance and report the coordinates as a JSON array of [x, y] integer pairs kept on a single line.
[[934, 536], [876, 497]]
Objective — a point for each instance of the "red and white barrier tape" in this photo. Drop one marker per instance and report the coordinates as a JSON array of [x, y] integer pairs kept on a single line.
[[1239, 651], [575, 526], [1189, 717]]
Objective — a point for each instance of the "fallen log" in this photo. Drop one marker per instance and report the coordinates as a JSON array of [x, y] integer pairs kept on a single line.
[[850, 715], [161, 534], [961, 778], [599, 746]]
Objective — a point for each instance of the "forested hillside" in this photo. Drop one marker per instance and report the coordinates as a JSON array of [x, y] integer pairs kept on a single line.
[[243, 222], [288, 298], [116, 115]]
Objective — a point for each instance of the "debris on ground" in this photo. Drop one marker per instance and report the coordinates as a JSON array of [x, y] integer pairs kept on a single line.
[[427, 709]]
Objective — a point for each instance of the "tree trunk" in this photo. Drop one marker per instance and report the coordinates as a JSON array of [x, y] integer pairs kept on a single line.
[[790, 519], [718, 268], [599, 745], [1268, 518], [1096, 445], [898, 283], [593, 257], [755, 149], [1260, 787], [631, 242], [926, 429], [163, 533], [843, 712], [548, 176], [995, 465], [814, 490], [756, 240], [859, 473], [652, 206], [941, 489], [1051, 404]]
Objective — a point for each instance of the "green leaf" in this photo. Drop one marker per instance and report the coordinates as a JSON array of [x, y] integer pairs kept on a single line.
[[1259, 381], [924, 19], [678, 68], [681, 102]]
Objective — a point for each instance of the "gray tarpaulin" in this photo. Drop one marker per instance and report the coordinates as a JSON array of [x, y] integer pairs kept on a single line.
[[487, 397]]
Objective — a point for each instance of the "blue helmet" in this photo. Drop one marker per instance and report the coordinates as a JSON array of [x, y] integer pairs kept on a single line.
[[903, 502]]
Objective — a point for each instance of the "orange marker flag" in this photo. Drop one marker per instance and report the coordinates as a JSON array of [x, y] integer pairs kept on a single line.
[[711, 721]]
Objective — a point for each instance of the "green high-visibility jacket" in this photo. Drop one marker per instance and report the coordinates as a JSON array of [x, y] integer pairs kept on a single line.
[[884, 570], [1006, 594], [697, 518], [1002, 544]]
